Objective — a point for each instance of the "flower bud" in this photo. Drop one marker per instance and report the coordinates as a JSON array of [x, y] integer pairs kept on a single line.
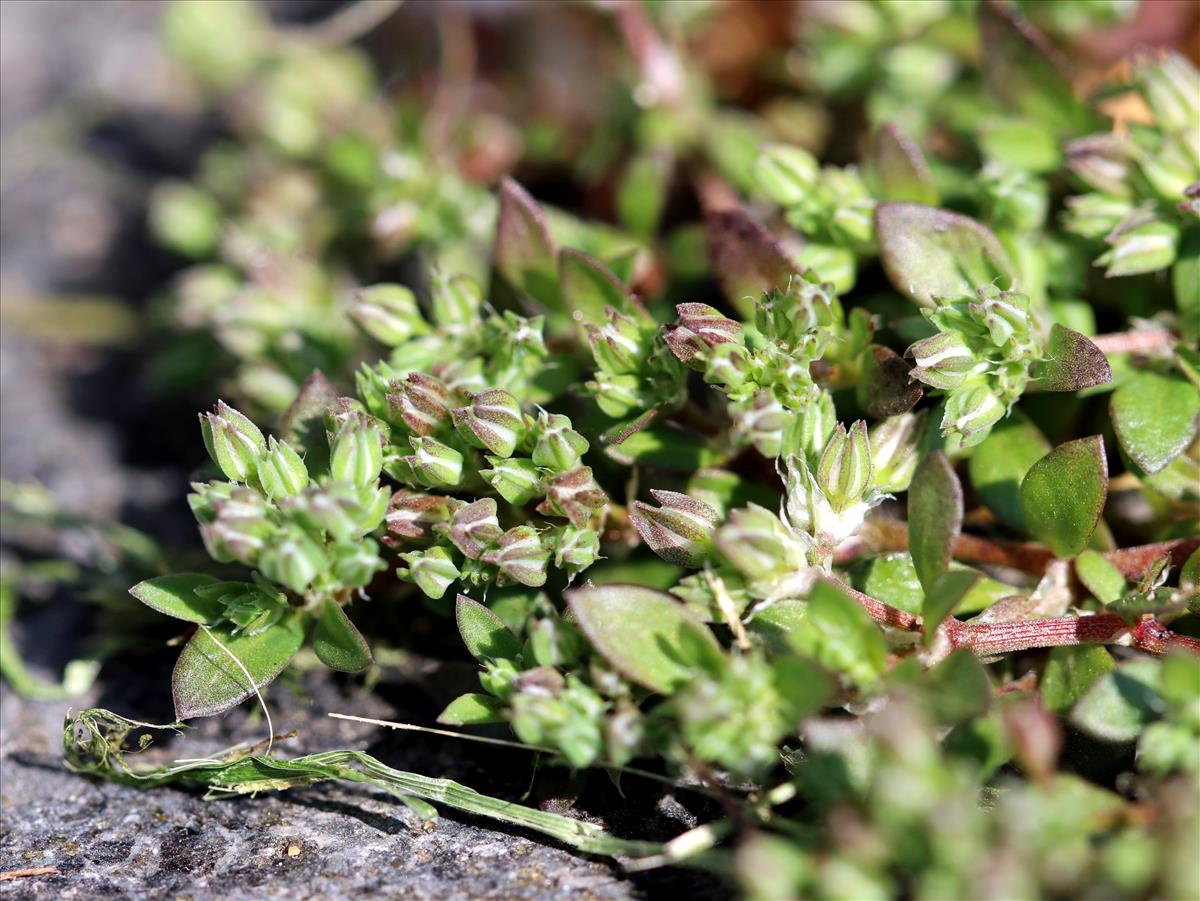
[[521, 556], [355, 563], [357, 453], [474, 528], [757, 544], [1146, 245], [421, 401], [558, 446], [456, 302], [1102, 163], [785, 174], [617, 396], [809, 430], [432, 570], [516, 479], [414, 516], [680, 530], [617, 345], [233, 441], [573, 494], [388, 313], [294, 560], [576, 549], [281, 472], [942, 361], [727, 366], [786, 316], [435, 465], [761, 422], [710, 325], [971, 411], [844, 472], [1095, 215], [688, 347], [1006, 316], [492, 420], [1170, 84], [240, 526], [894, 450]]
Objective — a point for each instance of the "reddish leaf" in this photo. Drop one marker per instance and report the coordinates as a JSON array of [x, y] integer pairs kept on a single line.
[[746, 259]]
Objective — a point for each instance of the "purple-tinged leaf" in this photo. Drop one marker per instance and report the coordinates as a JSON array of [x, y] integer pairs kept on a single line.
[[1156, 417], [930, 253], [897, 167], [935, 513], [886, 389], [1063, 495], [648, 636], [1072, 362], [525, 253], [746, 259]]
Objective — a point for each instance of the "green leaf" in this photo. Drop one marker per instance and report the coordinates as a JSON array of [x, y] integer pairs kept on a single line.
[[472, 709], [588, 287], [176, 596], [777, 624], [838, 634], [804, 686], [935, 512], [1069, 672], [891, 578], [648, 636], [959, 689], [1155, 417], [897, 167], [667, 448], [885, 388], [1071, 362], [1185, 277], [1000, 462], [484, 633], [1121, 703], [943, 596], [1063, 495], [930, 253], [337, 642], [207, 680], [746, 258], [1102, 579]]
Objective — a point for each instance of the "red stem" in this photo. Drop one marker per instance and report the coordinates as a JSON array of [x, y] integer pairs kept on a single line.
[[988, 639], [1134, 341]]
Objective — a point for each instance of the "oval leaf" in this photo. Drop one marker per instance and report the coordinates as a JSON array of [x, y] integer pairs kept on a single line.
[[838, 634], [897, 167], [746, 258], [484, 633], [999, 464], [1121, 703], [930, 253], [1063, 495], [337, 642], [1069, 672], [588, 287], [206, 681], [1071, 362], [886, 389], [935, 512], [472, 709], [648, 636], [1155, 417], [176, 596]]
